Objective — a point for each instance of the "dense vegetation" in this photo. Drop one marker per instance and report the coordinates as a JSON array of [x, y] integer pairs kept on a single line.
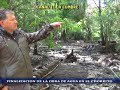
[[81, 23]]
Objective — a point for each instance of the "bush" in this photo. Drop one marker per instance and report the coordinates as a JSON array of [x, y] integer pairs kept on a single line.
[[76, 35]]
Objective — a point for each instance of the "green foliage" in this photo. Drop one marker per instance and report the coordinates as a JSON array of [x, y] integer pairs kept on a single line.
[[4, 4], [76, 35], [50, 42], [118, 47]]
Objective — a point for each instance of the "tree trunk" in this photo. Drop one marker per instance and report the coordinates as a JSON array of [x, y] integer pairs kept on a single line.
[[63, 35], [101, 26], [89, 33], [35, 52]]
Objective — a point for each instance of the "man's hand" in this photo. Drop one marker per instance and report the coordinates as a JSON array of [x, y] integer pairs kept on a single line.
[[5, 88], [56, 24]]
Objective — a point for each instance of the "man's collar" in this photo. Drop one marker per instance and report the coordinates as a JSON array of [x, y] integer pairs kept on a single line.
[[1, 28], [6, 33]]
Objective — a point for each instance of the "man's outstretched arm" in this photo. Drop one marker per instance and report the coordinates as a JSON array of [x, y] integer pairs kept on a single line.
[[42, 33]]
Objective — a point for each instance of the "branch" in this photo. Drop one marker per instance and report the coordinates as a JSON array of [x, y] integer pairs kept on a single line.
[[96, 4]]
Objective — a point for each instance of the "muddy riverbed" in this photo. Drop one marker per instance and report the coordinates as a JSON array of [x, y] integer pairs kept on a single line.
[[89, 63]]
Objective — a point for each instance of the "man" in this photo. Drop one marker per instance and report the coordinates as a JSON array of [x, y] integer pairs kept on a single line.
[[14, 49]]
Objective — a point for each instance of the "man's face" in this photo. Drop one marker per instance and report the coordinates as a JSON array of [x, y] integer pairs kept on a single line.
[[10, 23]]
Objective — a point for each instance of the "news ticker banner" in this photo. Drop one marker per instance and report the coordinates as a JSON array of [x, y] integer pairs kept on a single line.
[[61, 80]]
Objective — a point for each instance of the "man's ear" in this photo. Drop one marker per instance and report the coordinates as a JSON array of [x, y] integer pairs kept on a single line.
[[1, 22]]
